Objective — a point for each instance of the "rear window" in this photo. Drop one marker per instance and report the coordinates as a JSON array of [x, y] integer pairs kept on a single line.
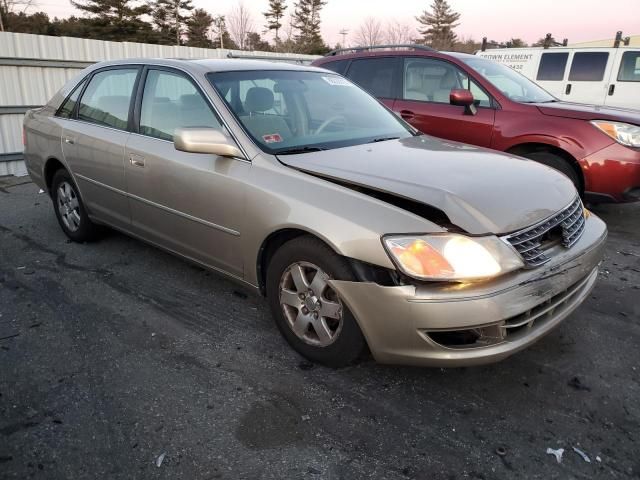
[[374, 75], [588, 66], [339, 66], [552, 66], [67, 108], [629, 67]]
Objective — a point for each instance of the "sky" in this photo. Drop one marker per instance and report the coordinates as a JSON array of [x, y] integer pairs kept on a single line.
[[577, 20]]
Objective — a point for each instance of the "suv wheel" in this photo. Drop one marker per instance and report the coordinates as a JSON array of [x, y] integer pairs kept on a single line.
[[69, 208], [308, 312], [556, 162]]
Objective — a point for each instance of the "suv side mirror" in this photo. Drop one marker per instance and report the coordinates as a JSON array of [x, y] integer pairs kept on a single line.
[[463, 98], [205, 140]]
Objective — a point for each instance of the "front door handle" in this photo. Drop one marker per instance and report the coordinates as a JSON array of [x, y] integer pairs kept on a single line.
[[567, 90], [407, 114], [612, 89], [136, 160], [69, 140]]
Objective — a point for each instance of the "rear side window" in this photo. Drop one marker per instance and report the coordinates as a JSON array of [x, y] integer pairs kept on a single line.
[[588, 66], [339, 66], [107, 98], [374, 75], [171, 101], [629, 67], [552, 66], [66, 110]]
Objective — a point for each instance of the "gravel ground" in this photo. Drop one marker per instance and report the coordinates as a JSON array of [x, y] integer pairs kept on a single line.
[[115, 353]]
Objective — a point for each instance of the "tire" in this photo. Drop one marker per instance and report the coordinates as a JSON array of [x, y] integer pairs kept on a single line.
[[328, 332], [70, 211], [556, 162]]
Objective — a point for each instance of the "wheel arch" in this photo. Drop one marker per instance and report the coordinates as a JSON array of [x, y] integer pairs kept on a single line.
[[522, 149], [51, 166]]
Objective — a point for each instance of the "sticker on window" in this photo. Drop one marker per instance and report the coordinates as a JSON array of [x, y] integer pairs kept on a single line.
[[272, 138], [337, 81]]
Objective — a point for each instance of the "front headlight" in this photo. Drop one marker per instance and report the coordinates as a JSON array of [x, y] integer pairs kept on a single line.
[[623, 133], [451, 257]]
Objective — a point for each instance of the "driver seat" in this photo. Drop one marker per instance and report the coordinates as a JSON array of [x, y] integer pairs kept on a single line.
[[260, 124]]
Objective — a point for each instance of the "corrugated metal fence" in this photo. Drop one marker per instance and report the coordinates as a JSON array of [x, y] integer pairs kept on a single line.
[[34, 67]]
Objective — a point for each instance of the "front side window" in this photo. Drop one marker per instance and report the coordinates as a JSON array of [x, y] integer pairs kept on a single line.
[[290, 111], [375, 75], [171, 101], [66, 110], [588, 66], [430, 80], [629, 67], [107, 98], [552, 66], [513, 85]]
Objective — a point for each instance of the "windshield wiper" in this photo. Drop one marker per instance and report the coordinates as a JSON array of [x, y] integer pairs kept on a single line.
[[295, 150], [382, 139]]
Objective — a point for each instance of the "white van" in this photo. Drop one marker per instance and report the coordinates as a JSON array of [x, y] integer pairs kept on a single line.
[[598, 75]]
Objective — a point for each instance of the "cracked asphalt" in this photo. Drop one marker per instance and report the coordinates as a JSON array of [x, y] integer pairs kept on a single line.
[[114, 353]]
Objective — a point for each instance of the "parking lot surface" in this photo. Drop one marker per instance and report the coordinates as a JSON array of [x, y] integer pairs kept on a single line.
[[116, 357]]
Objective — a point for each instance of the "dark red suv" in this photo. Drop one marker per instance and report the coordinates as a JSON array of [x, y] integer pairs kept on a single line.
[[474, 100]]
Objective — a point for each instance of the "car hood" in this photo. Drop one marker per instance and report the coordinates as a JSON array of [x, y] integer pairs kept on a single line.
[[589, 112], [481, 191]]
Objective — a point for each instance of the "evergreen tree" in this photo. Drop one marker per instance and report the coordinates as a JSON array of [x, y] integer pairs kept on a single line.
[[198, 27], [169, 17], [274, 15], [255, 42], [438, 25], [118, 20], [306, 21]]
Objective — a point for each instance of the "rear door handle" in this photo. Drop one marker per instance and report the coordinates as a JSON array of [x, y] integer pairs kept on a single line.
[[407, 114], [567, 90], [612, 89], [136, 160], [69, 140]]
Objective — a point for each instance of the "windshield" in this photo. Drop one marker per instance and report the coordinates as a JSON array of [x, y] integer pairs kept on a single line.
[[296, 111], [512, 84]]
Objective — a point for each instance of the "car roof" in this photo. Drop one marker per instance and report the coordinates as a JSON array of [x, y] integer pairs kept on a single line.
[[212, 65], [387, 52]]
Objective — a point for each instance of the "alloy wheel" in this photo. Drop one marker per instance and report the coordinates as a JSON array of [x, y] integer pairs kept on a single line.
[[68, 206], [312, 308]]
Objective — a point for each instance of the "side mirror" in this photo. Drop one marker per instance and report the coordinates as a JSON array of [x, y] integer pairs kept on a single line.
[[463, 98], [205, 140]]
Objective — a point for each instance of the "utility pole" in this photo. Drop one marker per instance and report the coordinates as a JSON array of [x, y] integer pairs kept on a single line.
[[344, 33], [177, 22], [1, 24]]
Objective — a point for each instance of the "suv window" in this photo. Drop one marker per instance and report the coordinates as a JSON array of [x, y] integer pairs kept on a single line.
[[552, 66], [107, 98], [171, 101], [430, 80], [374, 75], [339, 66], [629, 67], [66, 110], [588, 66]]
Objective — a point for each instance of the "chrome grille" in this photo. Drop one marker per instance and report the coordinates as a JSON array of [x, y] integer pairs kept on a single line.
[[532, 242]]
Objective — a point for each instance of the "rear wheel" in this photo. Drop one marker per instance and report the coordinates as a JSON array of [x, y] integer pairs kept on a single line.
[[69, 209], [308, 311], [558, 163]]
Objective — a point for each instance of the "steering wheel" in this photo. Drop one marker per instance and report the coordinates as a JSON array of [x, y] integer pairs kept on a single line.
[[328, 122]]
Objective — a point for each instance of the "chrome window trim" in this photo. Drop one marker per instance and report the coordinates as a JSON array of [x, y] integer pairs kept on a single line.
[[161, 207]]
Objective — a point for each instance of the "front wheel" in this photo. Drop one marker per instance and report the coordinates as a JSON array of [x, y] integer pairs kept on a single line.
[[308, 311], [69, 208]]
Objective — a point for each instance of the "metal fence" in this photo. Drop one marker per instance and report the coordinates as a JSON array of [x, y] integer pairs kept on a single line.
[[34, 67]]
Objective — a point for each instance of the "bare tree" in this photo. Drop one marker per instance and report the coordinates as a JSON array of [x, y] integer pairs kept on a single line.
[[14, 6], [370, 33], [398, 33], [240, 24]]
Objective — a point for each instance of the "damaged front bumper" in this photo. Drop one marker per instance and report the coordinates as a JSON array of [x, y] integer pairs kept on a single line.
[[476, 323]]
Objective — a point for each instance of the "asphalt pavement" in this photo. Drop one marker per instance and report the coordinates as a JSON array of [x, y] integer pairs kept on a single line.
[[120, 361]]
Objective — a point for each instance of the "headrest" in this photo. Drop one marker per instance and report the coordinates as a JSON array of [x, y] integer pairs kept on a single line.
[[259, 99], [191, 101]]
